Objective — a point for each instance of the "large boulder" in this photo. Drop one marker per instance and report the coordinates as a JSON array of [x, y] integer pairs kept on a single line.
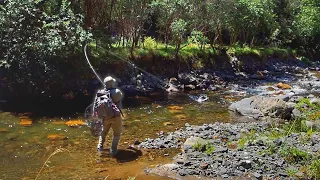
[[260, 106]]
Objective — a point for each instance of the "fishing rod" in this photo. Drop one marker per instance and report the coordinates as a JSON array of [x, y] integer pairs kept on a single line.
[[136, 67], [85, 53], [122, 59]]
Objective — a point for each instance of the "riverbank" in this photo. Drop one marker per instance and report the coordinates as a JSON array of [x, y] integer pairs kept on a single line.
[[160, 113], [279, 140]]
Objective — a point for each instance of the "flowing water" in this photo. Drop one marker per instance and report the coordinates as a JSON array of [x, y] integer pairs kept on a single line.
[[49, 149]]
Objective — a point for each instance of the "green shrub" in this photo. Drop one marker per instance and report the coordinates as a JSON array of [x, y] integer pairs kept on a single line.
[[293, 154], [207, 148], [315, 168], [150, 43]]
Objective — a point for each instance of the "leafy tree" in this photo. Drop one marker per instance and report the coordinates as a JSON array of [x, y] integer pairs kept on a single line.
[[31, 39], [198, 38], [178, 30]]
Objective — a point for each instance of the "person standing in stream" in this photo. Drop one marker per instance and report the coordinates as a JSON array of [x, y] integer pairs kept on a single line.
[[114, 122]]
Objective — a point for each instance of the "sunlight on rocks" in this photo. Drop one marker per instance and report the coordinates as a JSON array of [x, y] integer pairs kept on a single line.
[[283, 86]]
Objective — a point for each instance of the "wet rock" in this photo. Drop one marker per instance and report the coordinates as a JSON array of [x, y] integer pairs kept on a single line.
[[189, 87], [283, 86], [204, 165], [188, 78], [221, 150], [257, 175], [247, 164], [283, 174], [278, 142], [182, 172], [137, 142]]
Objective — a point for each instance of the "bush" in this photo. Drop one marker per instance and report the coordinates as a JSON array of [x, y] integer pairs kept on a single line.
[[34, 43], [150, 43], [315, 168]]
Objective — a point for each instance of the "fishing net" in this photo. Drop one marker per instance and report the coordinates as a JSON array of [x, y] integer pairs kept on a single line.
[[94, 123]]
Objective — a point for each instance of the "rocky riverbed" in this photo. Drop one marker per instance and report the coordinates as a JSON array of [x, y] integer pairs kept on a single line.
[[272, 145]]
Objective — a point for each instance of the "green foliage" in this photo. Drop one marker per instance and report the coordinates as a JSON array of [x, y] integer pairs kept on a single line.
[[31, 38], [247, 138], [178, 29], [307, 21], [246, 50], [208, 148], [292, 154], [272, 149], [310, 111], [29, 34], [150, 43], [197, 37], [315, 168], [291, 172], [131, 178]]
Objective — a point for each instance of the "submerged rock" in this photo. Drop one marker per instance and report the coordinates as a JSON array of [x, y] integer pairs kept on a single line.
[[3, 130], [56, 137], [25, 122], [75, 123]]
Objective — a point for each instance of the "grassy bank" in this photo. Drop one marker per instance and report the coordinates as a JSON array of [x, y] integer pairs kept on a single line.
[[150, 48]]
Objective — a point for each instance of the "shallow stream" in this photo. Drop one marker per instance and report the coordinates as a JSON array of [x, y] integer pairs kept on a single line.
[[46, 148]]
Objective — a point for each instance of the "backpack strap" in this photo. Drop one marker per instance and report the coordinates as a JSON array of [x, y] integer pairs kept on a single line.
[[109, 89]]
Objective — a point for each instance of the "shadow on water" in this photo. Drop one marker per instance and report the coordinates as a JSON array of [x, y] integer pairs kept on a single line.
[[124, 155]]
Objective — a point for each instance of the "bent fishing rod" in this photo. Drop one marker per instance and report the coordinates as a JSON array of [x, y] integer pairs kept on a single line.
[[85, 53], [122, 59]]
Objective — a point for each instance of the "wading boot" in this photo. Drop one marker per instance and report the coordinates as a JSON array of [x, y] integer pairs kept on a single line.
[[114, 145], [100, 144]]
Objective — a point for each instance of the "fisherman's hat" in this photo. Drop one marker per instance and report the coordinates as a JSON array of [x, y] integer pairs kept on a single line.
[[110, 82]]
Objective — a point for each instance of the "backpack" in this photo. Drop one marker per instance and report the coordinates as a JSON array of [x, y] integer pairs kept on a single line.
[[104, 107]]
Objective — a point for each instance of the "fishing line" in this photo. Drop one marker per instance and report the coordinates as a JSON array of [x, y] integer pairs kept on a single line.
[[136, 67], [124, 60]]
